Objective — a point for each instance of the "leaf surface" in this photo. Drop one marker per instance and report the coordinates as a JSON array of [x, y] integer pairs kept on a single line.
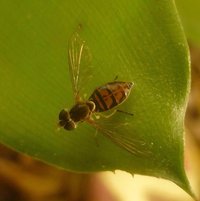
[[139, 41]]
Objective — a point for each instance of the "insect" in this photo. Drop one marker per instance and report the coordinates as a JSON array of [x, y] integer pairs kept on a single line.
[[104, 98]]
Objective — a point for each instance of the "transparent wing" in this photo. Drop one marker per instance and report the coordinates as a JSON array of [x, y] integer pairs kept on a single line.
[[136, 147], [79, 58]]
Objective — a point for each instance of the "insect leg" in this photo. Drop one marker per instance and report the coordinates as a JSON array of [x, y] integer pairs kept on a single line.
[[92, 122], [110, 115], [116, 78], [95, 138], [128, 113], [107, 116]]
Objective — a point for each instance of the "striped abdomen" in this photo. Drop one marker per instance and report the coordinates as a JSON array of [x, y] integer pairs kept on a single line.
[[110, 95]]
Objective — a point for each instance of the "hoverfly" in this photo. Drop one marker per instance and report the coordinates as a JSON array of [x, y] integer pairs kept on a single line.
[[103, 98]]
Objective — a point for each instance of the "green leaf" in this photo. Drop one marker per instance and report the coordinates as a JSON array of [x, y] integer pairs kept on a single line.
[[139, 41], [190, 15]]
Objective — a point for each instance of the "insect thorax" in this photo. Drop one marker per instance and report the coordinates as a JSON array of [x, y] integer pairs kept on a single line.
[[81, 111]]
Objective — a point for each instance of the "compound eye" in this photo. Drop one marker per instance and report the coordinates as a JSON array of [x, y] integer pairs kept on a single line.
[[64, 115], [61, 123], [70, 125]]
